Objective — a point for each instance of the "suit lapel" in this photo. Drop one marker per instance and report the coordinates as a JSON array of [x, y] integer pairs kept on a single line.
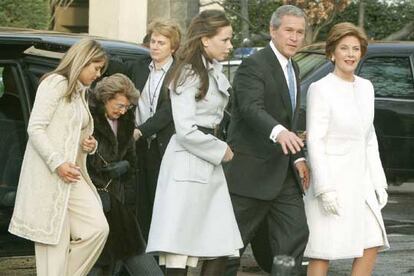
[[279, 78]]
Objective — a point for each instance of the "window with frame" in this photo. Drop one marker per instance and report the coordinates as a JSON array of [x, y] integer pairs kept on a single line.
[[392, 77]]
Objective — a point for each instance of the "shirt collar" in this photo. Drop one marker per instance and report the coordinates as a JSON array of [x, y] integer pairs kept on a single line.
[[281, 58], [165, 67]]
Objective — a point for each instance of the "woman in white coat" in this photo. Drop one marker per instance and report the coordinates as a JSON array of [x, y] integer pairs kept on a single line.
[[57, 206], [193, 216], [348, 190]]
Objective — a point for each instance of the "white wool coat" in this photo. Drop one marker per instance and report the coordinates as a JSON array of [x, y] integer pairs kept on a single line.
[[344, 157], [54, 138]]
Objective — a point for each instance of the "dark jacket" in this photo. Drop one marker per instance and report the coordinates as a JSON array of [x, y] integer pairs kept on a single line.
[[125, 238], [261, 101], [161, 123]]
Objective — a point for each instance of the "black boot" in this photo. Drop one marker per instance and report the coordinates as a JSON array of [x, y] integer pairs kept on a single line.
[[215, 267]]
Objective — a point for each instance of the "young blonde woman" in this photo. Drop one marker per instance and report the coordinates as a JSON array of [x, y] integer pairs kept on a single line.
[[57, 206]]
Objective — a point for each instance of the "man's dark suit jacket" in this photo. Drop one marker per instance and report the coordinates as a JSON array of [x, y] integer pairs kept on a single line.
[[261, 101], [161, 123]]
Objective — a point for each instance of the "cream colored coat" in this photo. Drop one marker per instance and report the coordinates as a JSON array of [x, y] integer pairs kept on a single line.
[[344, 157], [54, 138]]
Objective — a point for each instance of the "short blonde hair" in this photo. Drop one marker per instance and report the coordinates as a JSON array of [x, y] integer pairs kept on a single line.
[[80, 55], [342, 30], [167, 28], [107, 88]]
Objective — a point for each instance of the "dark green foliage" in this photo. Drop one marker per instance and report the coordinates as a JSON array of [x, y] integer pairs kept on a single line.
[[260, 12], [381, 18], [24, 13]]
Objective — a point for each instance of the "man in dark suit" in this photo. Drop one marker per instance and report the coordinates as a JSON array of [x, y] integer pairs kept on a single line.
[[153, 113], [268, 173]]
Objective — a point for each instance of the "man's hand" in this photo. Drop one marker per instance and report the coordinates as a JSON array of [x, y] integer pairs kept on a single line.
[[69, 172], [303, 172], [289, 142]]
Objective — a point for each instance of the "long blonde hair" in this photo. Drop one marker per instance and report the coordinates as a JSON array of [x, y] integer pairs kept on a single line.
[[80, 55]]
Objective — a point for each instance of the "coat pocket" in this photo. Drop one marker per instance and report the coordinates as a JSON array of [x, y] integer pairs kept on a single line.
[[190, 168]]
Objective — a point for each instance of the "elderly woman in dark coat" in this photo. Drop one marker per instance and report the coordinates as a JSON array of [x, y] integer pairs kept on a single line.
[[114, 125]]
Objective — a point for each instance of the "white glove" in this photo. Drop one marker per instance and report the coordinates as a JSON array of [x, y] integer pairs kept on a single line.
[[330, 203], [382, 197]]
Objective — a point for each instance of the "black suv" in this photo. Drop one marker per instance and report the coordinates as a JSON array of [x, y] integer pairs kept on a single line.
[[25, 55]]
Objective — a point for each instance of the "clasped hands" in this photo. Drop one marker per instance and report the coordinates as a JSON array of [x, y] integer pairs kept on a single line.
[[330, 203], [69, 172]]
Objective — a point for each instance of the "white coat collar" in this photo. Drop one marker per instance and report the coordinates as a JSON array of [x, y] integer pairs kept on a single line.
[[215, 69]]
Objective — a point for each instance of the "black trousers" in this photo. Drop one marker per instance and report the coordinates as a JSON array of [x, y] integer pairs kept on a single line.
[[149, 159], [285, 215]]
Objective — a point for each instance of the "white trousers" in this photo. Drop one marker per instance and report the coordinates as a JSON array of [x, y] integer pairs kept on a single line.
[[83, 237]]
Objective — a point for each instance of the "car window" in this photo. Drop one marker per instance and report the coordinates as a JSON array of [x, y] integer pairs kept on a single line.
[[12, 138], [230, 70], [391, 76], [308, 62]]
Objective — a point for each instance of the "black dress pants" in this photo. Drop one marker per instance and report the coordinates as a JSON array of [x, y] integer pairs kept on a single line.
[[285, 215], [149, 159]]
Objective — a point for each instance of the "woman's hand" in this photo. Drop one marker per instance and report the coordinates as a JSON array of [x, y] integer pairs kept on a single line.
[[228, 156], [89, 144], [382, 197], [69, 172], [330, 203], [137, 134]]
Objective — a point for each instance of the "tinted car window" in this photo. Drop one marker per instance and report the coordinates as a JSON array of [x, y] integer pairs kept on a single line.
[[230, 70], [391, 76], [308, 62]]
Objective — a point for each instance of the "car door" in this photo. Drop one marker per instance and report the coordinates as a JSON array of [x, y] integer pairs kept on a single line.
[[14, 115], [392, 77]]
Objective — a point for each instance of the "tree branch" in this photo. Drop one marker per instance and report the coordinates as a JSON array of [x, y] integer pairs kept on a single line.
[[402, 33]]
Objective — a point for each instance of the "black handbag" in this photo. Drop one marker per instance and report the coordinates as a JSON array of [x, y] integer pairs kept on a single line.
[[114, 170]]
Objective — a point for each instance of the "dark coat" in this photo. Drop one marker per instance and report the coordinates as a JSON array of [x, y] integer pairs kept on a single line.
[[125, 238], [161, 123], [260, 102]]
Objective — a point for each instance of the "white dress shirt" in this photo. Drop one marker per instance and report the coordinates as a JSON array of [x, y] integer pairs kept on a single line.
[[147, 103], [283, 63]]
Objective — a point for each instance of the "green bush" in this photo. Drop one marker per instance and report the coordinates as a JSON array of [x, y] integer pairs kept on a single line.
[[24, 13]]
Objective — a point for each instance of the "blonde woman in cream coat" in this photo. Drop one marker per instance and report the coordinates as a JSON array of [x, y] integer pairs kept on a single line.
[[57, 206]]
